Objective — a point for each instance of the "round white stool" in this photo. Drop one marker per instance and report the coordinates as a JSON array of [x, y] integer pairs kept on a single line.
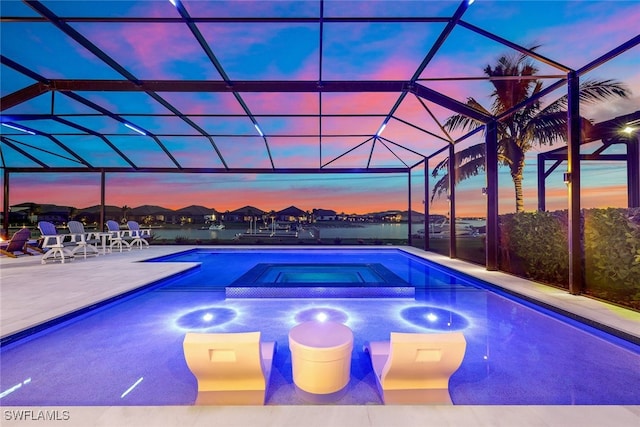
[[321, 359]]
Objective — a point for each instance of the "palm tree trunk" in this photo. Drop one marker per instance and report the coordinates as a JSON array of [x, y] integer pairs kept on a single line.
[[517, 183], [517, 169]]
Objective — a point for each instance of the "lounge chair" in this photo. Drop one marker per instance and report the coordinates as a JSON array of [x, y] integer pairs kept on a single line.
[[18, 243], [55, 245], [86, 242], [415, 368], [138, 235], [117, 237], [231, 368]]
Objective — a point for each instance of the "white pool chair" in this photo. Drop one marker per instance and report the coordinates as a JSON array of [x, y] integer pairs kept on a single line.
[[231, 368], [54, 245], [138, 235], [415, 368], [86, 242], [117, 236]]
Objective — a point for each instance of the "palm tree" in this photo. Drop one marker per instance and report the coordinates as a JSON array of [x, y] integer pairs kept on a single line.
[[125, 211], [529, 126]]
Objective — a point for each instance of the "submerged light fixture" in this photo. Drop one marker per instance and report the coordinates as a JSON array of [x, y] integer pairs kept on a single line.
[[135, 129], [14, 127]]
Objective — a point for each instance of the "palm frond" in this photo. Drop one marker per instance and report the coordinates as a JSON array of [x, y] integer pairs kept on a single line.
[[440, 187], [547, 128], [460, 122], [592, 91], [468, 162]]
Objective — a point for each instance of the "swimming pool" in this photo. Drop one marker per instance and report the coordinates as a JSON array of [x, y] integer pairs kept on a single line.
[[130, 352]]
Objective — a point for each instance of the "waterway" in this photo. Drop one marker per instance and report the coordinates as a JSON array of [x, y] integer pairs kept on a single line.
[[363, 231]]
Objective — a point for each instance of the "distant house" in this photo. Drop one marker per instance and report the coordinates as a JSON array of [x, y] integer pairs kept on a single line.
[[324, 215], [194, 214], [244, 214], [91, 215], [56, 217], [292, 214]]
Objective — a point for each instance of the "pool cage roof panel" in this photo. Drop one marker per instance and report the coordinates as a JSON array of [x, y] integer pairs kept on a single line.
[[268, 86]]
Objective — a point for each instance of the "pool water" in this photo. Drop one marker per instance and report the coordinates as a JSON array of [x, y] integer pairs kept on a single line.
[[130, 352]]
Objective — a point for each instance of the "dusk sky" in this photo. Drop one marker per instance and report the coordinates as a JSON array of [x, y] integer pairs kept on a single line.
[[572, 33]]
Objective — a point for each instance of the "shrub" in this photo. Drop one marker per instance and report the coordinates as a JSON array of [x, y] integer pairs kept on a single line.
[[612, 255], [181, 240], [534, 245]]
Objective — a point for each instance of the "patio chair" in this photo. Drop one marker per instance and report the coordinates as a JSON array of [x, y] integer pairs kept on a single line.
[[414, 368], [18, 243], [231, 368], [117, 237], [86, 242], [138, 235], [54, 244]]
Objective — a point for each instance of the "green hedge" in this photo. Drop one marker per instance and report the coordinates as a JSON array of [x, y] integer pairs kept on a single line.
[[534, 245], [612, 255]]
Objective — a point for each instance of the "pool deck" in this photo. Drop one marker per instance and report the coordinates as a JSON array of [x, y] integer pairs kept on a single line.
[[32, 293]]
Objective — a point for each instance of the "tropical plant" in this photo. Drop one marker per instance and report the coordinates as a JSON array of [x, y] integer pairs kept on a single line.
[[125, 212], [532, 125]]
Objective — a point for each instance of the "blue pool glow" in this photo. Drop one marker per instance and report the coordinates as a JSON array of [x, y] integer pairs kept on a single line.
[[206, 318], [517, 353], [434, 318]]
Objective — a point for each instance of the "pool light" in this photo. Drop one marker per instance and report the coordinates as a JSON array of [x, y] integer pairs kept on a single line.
[[321, 314], [434, 318], [14, 127], [205, 318]]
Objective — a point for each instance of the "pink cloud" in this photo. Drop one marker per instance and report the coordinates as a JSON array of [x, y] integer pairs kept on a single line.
[[281, 103], [142, 48]]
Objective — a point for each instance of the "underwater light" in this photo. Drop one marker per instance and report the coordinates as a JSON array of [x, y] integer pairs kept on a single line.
[[434, 318], [321, 314], [205, 318]]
